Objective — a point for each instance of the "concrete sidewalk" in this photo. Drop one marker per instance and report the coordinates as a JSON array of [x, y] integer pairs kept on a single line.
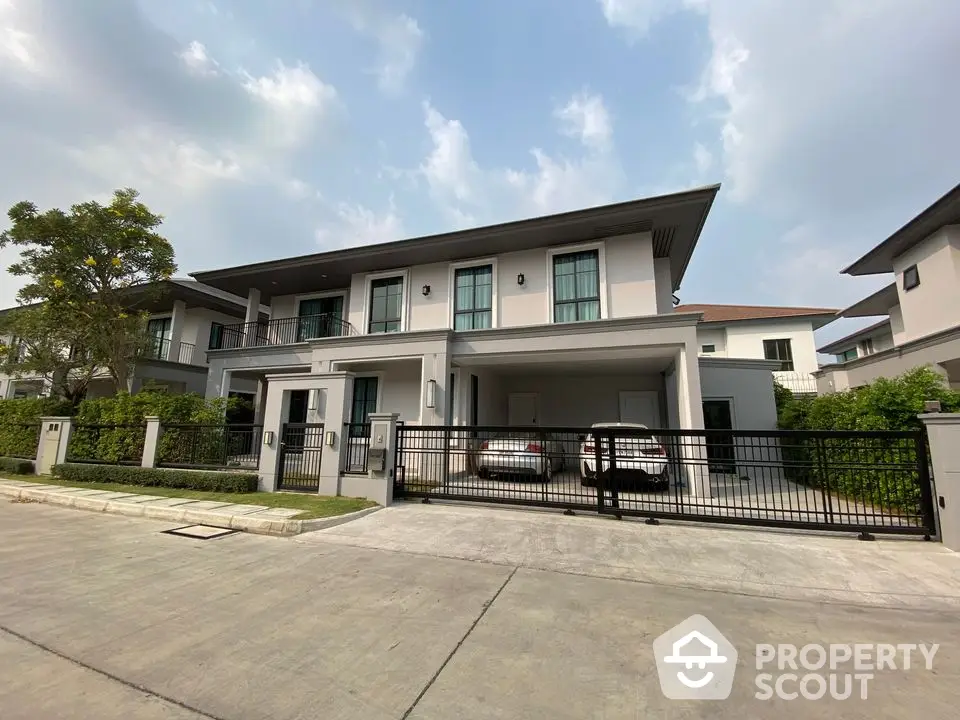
[[889, 572], [249, 518]]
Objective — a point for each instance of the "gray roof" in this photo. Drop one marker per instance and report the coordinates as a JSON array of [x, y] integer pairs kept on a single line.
[[945, 211], [674, 221]]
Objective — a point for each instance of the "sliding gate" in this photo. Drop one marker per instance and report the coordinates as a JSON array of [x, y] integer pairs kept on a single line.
[[853, 481]]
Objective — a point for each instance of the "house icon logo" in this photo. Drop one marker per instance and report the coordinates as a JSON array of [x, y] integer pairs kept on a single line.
[[695, 661]]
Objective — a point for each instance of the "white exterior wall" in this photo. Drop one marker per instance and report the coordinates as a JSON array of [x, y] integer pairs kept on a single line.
[[745, 340], [896, 325], [934, 305], [749, 389], [716, 337], [632, 284]]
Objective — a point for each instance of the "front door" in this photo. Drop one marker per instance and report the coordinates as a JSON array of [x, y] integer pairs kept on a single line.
[[640, 407], [523, 409], [721, 455]]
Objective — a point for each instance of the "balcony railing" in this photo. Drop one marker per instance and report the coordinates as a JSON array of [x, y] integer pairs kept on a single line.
[[283, 331], [159, 349], [797, 382], [186, 353]]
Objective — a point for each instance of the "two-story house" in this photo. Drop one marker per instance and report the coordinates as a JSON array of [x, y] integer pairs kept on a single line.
[[920, 308], [781, 334], [562, 320], [185, 318]]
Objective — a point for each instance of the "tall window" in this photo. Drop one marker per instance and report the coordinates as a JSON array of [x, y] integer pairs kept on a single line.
[[320, 317], [576, 286], [364, 403], [473, 301], [779, 350], [868, 346], [159, 332], [216, 336], [386, 300]]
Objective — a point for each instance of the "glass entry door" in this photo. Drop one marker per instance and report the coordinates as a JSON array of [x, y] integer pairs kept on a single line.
[[320, 317]]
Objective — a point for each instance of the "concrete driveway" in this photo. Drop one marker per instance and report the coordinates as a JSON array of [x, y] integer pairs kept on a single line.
[[422, 612]]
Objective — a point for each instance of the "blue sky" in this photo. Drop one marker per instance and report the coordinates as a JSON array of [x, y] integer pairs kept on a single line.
[[268, 129]]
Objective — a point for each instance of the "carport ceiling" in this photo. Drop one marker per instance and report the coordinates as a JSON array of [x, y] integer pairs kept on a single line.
[[580, 364]]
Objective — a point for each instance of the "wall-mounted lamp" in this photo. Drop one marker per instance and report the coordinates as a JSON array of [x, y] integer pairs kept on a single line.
[[331, 438], [431, 393], [426, 290], [312, 399], [675, 300], [520, 279], [268, 437]]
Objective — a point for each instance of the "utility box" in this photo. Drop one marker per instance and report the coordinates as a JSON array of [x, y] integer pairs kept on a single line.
[[377, 450]]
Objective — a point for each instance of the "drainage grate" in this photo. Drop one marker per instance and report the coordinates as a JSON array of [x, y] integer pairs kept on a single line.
[[201, 532]]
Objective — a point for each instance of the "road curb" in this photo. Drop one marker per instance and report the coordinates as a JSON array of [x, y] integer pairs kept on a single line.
[[252, 523]]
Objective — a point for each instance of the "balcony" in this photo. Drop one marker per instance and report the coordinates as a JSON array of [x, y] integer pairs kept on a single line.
[[159, 349], [283, 331], [797, 382]]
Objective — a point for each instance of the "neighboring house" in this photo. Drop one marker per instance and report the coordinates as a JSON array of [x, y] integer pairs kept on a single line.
[[920, 308], [783, 334], [563, 320], [184, 319]]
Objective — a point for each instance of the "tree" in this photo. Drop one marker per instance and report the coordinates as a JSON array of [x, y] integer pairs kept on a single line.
[[45, 347], [82, 264]]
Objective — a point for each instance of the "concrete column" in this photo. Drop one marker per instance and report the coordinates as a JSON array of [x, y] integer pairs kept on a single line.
[[943, 431], [177, 321], [275, 411], [334, 412], [436, 367], [151, 442], [690, 405], [259, 402], [252, 315], [55, 435]]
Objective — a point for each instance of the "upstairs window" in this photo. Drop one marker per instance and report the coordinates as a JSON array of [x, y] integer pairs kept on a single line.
[[847, 355], [473, 298], [911, 278], [708, 349], [386, 303], [576, 286], [779, 350], [867, 346], [216, 336]]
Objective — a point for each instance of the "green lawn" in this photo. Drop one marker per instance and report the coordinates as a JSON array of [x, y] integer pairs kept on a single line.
[[312, 506]]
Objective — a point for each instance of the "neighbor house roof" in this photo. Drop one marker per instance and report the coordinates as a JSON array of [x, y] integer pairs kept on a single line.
[[741, 313], [945, 211], [849, 341], [674, 222]]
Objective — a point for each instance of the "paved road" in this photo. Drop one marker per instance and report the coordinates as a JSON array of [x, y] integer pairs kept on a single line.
[[105, 617]]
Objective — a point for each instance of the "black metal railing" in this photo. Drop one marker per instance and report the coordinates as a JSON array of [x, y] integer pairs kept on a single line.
[[283, 331], [356, 443], [209, 446], [158, 348], [859, 481], [108, 444], [19, 440]]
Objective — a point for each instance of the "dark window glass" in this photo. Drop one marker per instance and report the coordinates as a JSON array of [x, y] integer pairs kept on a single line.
[[779, 350], [708, 348], [576, 286], [364, 403], [386, 299], [911, 278], [473, 298], [216, 336], [320, 317]]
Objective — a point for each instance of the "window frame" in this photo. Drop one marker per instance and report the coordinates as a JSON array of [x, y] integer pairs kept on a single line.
[[867, 346], [842, 357], [559, 251], [712, 346], [452, 285], [378, 376], [914, 272], [782, 361], [404, 298], [300, 299]]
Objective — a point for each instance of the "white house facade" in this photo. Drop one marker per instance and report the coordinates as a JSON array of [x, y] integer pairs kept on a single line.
[[565, 320], [185, 317], [784, 335], [920, 308]]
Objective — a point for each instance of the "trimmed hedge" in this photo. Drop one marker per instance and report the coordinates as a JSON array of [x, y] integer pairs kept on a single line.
[[16, 466], [157, 477]]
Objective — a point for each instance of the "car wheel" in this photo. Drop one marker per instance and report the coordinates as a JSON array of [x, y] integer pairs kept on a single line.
[[483, 473], [661, 482]]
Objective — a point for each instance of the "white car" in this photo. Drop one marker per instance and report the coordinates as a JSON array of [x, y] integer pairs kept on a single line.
[[638, 456], [525, 453]]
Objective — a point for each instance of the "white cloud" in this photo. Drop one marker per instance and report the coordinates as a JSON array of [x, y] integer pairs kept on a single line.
[[470, 194], [585, 117], [354, 224], [291, 87], [195, 57], [637, 16], [400, 40], [17, 46], [703, 160]]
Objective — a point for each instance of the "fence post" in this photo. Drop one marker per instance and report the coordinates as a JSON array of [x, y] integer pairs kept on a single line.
[[55, 435], [151, 442], [943, 431]]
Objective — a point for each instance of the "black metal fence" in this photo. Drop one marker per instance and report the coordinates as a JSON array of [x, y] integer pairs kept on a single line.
[[111, 444], [859, 481], [356, 443], [282, 331], [210, 446], [19, 440]]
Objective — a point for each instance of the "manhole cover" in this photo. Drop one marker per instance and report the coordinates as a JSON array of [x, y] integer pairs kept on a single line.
[[201, 532]]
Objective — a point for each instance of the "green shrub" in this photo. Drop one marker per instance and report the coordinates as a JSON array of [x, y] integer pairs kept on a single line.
[[156, 477], [16, 466], [126, 409], [20, 422], [870, 470]]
